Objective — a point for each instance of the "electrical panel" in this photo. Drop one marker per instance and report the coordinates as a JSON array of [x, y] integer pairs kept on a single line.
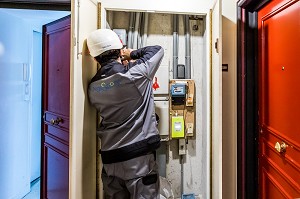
[[182, 109]]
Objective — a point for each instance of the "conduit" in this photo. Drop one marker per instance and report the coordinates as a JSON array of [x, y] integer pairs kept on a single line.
[[129, 41], [137, 34], [140, 31], [175, 45], [136, 30], [187, 48], [181, 174], [145, 30]]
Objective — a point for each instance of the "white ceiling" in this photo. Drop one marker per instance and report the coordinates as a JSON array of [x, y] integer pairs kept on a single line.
[[38, 17]]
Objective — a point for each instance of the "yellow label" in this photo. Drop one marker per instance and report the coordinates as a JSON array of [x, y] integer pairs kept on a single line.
[[177, 127]]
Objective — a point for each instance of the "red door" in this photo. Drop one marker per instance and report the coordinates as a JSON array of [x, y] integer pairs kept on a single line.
[[56, 102], [279, 100]]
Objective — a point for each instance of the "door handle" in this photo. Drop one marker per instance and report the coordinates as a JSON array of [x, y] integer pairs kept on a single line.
[[56, 121], [281, 148]]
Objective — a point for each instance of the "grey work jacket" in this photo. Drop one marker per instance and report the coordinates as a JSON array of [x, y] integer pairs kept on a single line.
[[124, 98]]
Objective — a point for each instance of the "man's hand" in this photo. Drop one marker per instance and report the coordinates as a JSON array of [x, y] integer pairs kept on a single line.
[[125, 53]]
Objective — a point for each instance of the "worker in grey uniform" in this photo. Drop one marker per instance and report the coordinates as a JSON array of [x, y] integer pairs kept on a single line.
[[124, 98]]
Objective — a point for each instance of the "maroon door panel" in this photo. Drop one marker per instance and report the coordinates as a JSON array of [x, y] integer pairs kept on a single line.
[[57, 166], [57, 44], [56, 103], [279, 98]]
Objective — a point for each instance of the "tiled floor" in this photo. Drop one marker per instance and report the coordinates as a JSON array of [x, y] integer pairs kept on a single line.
[[35, 190]]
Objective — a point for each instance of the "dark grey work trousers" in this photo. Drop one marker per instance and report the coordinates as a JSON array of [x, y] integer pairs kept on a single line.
[[132, 179]]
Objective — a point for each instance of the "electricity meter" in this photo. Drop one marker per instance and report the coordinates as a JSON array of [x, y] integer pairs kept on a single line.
[[178, 93]]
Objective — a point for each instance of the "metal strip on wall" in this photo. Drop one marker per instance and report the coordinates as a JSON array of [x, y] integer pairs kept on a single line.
[[99, 188], [210, 94]]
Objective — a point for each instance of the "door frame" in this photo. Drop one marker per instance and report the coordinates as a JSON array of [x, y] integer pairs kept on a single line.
[[247, 97]]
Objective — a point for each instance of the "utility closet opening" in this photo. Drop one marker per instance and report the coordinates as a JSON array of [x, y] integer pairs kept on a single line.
[[184, 39]]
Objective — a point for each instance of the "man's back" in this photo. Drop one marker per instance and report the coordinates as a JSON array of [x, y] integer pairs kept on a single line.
[[124, 99]]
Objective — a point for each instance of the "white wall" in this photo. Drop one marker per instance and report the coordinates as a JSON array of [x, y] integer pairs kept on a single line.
[[195, 162], [229, 100], [14, 109], [82, 115], [216, 102]]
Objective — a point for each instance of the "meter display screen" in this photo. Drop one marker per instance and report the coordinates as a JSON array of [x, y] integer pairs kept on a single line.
[[178, 90]]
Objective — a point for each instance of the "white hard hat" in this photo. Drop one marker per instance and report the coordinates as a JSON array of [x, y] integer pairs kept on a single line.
[[102, 40]]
